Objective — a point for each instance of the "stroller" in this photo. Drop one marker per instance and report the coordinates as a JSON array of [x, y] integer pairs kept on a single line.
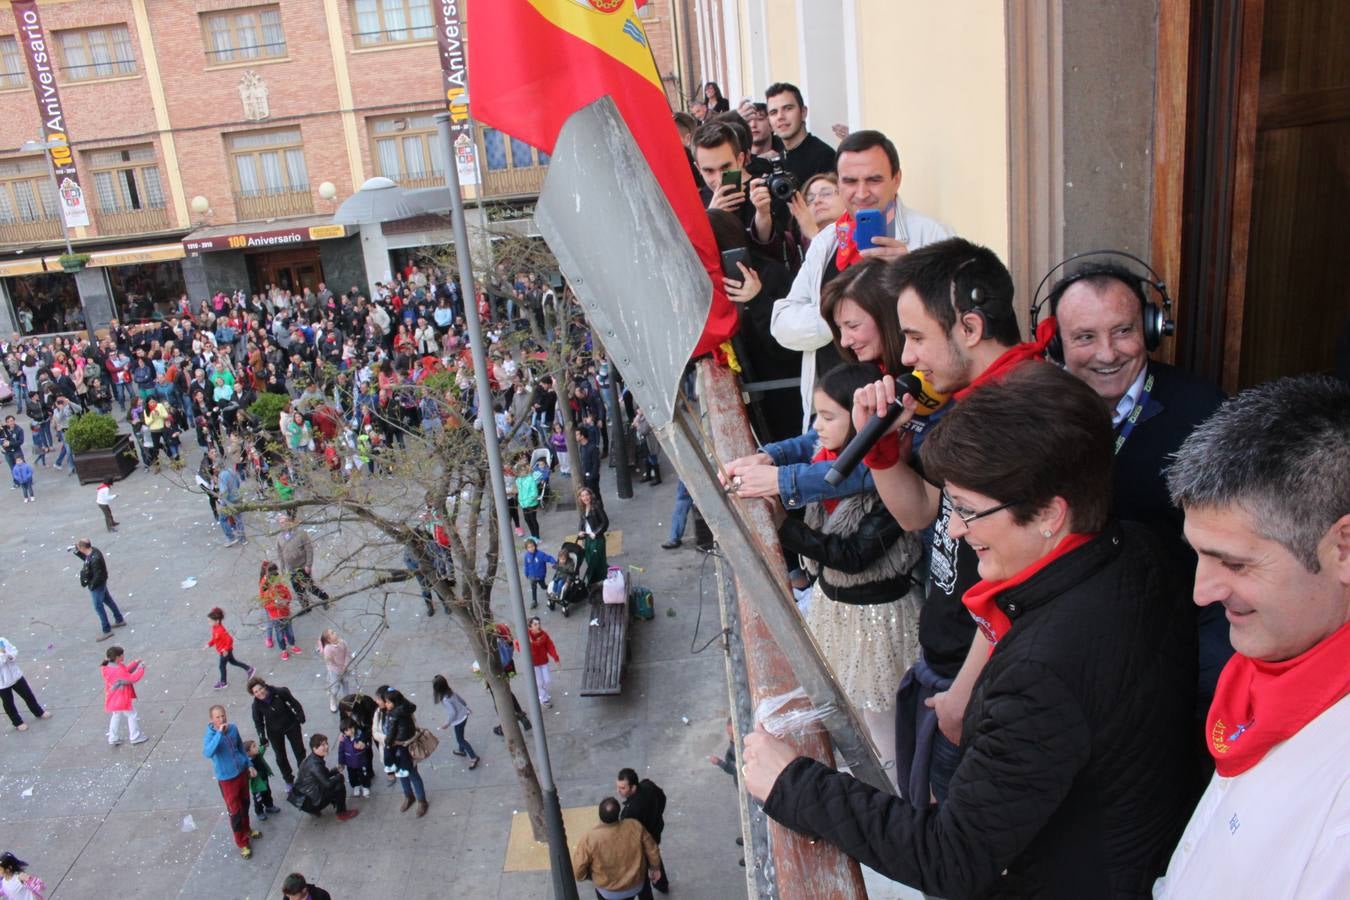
[[569, 578]]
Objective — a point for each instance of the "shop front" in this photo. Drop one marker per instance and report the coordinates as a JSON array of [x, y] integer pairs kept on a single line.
[[228, 258], [39, 297]]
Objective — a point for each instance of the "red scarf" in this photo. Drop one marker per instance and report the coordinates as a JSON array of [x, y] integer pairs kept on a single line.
[[824, 454], [1258, 705], [979, 600], [1013, 357]]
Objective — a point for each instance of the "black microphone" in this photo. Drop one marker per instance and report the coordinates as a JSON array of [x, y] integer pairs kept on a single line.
[[876, 426]]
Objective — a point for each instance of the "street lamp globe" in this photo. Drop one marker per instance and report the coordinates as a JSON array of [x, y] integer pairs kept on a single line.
[[200, 205], [328, 191]]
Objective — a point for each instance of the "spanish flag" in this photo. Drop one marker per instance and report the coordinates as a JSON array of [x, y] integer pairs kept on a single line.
[[532, 63]]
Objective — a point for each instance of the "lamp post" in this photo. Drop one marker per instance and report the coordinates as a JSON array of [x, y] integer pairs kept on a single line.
[[46, 148], [564, 885]]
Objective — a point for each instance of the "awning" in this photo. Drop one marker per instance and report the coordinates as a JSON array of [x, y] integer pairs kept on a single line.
[[123, 256], [263, 235]]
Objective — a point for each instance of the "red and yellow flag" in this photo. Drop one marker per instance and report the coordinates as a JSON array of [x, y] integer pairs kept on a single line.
[[532, 63]]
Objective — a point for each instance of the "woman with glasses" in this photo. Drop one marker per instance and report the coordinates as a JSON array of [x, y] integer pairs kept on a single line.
[[1074, 763], [817, 205]]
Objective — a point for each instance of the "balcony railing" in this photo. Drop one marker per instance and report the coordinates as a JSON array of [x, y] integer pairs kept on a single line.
[[133, 221], [273, 205], [412, 180], [513, 182], [34, 232]]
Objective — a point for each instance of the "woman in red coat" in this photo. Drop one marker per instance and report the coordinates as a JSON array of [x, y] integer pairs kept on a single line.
[[541, 650]]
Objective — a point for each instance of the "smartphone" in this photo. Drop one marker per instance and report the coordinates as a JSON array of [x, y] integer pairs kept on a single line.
[[870, 224], [729, 260], [732, 177]]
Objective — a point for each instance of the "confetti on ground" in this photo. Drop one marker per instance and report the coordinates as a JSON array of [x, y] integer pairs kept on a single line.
[[188, 824], [27, 793], [189, 582]]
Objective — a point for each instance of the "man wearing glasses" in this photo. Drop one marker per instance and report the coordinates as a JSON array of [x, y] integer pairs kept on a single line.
[[955, 308]]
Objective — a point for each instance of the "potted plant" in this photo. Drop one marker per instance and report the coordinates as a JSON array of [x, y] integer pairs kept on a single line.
[[73, 262], [101, 453]]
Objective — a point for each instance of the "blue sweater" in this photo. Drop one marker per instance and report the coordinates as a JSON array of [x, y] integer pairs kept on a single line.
[[536, 564], [225, 749], [22, 473]]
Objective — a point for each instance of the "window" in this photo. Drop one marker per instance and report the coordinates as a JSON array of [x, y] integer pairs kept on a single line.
[[268, 162], [12, 69], [126, 180], [91, 53], [406, 149], [378, 22], [501, 152], [26, 192], [242, 34]]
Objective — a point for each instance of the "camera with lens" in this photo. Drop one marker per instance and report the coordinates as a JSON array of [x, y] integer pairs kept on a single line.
[[780, 182]]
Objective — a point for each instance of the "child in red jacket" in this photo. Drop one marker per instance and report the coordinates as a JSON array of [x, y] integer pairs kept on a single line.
[[223, 642], [276, 599], [541, 650]]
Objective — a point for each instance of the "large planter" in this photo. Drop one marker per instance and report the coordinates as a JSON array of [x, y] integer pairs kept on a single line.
[[109, 464]]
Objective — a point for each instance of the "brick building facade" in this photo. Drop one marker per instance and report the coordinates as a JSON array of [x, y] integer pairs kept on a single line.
[[214, 139]]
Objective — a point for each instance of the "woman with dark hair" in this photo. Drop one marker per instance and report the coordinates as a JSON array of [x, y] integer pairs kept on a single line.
[[712, 96], [399, 730], [1076, 744], [864, 613], [860, 307]]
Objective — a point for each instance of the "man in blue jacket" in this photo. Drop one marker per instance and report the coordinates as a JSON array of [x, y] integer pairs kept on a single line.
[[225, 748]]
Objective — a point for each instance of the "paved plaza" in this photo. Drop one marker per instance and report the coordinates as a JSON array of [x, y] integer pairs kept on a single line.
[[148, 821]]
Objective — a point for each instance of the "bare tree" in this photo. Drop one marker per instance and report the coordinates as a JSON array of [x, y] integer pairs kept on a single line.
[[424, 514]]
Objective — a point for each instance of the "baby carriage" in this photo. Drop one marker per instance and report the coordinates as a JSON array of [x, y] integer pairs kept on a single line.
[[569, 578]]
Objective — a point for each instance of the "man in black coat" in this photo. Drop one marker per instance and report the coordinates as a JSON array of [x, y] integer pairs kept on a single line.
[[319, 786], [644, 801], [277, 717], [1154, 407], [94, 577]]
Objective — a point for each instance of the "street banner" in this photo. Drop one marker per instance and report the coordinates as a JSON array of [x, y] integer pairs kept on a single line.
[[538, 61], [36, 50], [450, 43]]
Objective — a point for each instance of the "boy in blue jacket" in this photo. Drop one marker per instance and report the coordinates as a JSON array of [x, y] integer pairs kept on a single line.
[[22, 473], [536, 569]]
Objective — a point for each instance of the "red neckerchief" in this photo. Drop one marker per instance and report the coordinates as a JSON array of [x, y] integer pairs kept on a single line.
[[847, 253], [1012, 358], [824, 454], [1258, 705], [979, 600]]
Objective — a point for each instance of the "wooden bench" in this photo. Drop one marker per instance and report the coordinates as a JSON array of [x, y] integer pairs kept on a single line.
[[606, 649]]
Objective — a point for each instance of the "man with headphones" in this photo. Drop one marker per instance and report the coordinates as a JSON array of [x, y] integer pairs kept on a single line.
[[961, 332], [1106, 326]]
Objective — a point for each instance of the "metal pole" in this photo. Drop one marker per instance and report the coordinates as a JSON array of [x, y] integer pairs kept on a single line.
[[564, 885], [56, 192], [618, 440]]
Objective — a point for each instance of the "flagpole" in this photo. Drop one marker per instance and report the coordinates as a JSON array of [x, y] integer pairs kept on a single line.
[[564, 885]]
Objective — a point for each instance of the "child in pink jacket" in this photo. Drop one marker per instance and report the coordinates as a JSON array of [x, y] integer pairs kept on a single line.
[[119, 696]]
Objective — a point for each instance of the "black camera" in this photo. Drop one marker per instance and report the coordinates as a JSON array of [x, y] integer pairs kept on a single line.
[[780, 182]]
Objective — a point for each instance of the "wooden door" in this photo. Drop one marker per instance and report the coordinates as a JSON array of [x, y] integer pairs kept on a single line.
[[1294, 303]]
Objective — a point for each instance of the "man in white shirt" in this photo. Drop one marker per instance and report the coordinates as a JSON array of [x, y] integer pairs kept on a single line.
[[1265, 485], [868, 167]]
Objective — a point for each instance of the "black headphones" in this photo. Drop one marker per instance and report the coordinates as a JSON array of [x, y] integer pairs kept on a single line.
[[1157, 317]]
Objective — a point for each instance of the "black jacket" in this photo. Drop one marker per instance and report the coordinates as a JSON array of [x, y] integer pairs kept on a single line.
[[1075, 752], [648, 806], [276, 715], [316, 782], [94, 572], [590, 461], [399, 724], [599, 521]]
